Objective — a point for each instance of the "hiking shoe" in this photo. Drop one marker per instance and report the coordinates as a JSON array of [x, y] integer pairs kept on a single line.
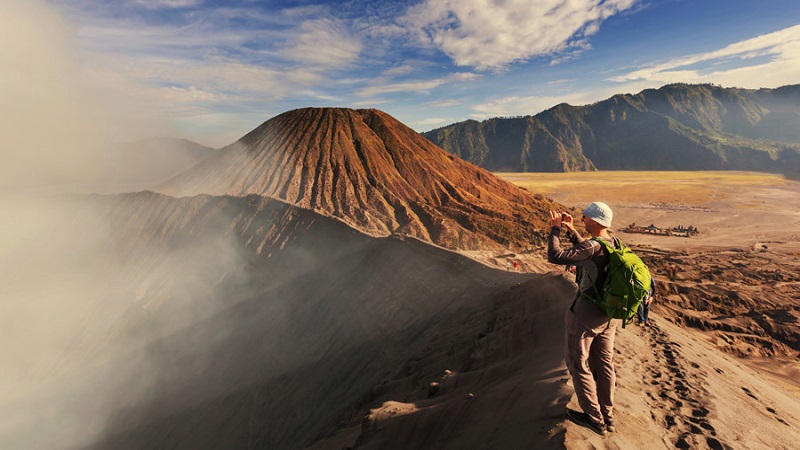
[[610, 426], [583, 419]]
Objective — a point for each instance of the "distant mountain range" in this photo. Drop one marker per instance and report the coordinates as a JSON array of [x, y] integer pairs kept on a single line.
[[173, 155], [676, 127], [142, 164]]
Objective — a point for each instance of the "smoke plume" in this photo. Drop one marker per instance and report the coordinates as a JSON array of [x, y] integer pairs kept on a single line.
[[60, 112]]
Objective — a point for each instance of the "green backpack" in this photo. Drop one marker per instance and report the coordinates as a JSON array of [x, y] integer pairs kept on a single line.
[[627, 283]]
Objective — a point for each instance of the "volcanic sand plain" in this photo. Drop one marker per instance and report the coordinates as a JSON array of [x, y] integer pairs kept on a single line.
[[731, 209], [726, 323], [745, 259]]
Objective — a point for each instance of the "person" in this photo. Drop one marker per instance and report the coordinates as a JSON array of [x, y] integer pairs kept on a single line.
[[589, 349], [644, 308]]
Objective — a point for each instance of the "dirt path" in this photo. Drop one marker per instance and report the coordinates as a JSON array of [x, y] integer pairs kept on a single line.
[[661, 401], [674, 388]]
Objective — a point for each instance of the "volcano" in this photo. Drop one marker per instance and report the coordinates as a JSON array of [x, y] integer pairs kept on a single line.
[[369, 170]]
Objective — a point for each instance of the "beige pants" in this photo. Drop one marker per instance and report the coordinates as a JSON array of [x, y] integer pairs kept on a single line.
[[590, 358]]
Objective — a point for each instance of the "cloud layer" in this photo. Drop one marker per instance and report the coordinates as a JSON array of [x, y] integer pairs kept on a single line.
[[768, 60], [492, 34], [217, 70]]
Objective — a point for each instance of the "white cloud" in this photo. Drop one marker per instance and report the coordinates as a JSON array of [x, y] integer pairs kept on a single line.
[[225, 62], [241, 58], [135, 39], [225, 75], [370, 103], [167, 4], [191, 94], [430, 122], [769, 60], [513, 106], [323, 43], [404, 69], [533, 104], [415, 86], [444, 103], [490, 34]]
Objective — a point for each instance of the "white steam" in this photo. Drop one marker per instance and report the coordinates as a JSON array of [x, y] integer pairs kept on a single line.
[[82, 301], [59, 113], [71, 334]]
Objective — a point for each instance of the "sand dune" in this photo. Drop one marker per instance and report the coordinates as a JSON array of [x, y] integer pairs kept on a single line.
[[675, 389], [697, 396], [503, 389]]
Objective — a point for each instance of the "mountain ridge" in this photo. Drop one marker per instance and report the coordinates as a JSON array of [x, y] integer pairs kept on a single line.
[[675, 127]]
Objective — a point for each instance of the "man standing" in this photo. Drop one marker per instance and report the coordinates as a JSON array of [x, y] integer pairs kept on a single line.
[[644, 309], [589, 331]]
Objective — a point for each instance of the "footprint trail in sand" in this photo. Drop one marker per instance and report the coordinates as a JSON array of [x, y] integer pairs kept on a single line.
[[675, 391]]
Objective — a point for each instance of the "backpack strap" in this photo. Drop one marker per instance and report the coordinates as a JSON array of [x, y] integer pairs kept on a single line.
[[618, 245], [607, 247], [603, 246]]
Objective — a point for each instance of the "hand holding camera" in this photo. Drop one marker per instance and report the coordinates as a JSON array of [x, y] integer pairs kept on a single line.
[[566, 221], [556, 218], [561, 219]]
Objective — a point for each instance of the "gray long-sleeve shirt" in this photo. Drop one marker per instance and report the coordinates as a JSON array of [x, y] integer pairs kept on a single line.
[[587, 255]]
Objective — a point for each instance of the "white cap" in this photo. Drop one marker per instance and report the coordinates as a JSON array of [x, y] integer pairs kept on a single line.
[[600, 213]]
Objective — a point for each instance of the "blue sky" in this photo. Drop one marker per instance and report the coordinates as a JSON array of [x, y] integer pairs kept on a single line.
[[213, 70]]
